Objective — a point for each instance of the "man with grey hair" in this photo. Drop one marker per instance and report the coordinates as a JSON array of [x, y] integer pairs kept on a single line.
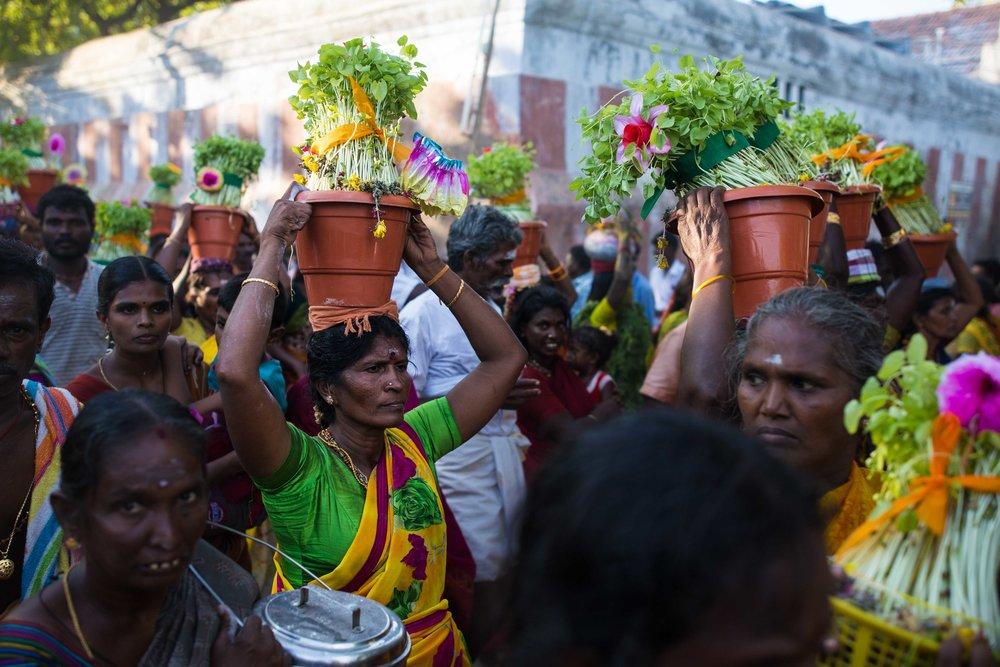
[[483, 480]]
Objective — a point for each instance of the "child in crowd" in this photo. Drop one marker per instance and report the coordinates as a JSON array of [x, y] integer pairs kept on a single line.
[[589, 351]]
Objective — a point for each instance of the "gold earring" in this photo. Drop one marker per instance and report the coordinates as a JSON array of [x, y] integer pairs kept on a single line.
[[71, 543]]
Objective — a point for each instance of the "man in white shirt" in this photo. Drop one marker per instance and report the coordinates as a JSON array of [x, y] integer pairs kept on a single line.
[[77, 337], [483, 480]]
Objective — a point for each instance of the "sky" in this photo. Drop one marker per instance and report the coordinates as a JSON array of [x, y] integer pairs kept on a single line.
[[852, 11]]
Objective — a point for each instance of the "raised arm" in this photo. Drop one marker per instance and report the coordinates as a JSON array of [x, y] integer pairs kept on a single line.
[[968, 296], [262, 443], [833, 252], [904, 292], [477, 398], [171, 249], [557, 272], [703, 227], [624, 270]]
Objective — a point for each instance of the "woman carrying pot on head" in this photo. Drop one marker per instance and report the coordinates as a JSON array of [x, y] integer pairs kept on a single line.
[[359, 504], [539, 317], [804, 355], [942, 313], [135, 305], [132, 503]]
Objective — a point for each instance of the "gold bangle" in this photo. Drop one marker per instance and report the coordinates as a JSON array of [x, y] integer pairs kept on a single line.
[[274, 286], [558, 273], [832, 219], [894, 239], [438, 276], [461, 286], [708, 282]]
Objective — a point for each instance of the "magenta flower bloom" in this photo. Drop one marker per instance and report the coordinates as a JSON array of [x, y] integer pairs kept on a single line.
[[436, 182], [634, 129], [970, 388], [57, 144], [416, 558], [402, 468]]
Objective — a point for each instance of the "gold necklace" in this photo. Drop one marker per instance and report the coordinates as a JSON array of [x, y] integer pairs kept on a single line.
[[7, 563], [163, 376], [541, 369], [330, 442], [72, 614]]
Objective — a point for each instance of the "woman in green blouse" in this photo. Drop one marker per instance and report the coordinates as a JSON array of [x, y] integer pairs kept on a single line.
[[359, 504]]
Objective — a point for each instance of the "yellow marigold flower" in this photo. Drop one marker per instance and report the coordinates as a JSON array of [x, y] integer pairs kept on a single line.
[[379, 231], [299, 178], [661, 262], [354, 183], [661, 242], [803, 177], [311, 163], [173, 167]]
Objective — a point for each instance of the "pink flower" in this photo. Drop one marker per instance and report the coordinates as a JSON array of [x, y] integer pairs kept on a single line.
[[17, 121], [402, 468], [57, 144], [634, 129], [416, 558], [970, 388]]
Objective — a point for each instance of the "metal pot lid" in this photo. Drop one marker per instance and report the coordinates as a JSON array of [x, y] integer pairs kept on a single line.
[[318, 626]]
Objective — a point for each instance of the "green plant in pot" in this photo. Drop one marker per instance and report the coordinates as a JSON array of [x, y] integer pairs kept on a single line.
[[160, 196], [901, 180], [27, 135], [846, 157], [120, 230], [362, 181], [13, 173], [500, 175], [711, 126], [223, 168]]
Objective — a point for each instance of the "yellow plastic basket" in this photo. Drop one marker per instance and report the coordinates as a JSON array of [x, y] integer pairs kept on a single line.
[[867, 641]]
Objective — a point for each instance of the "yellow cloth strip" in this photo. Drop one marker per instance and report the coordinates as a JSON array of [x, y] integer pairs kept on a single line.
[[367, 127], [907, 199], [515, 197]]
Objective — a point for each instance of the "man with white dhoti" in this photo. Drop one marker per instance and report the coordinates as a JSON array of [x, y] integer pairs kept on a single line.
[[483, 480]]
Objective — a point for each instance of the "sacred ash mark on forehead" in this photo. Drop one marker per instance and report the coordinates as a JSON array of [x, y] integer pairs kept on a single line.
[[775, 359]]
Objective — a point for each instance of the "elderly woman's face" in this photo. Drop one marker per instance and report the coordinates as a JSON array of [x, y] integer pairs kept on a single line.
[[374, 389], [792, 396], [140, 523]]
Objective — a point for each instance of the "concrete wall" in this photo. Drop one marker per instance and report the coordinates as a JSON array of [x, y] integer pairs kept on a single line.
[[135, 99]]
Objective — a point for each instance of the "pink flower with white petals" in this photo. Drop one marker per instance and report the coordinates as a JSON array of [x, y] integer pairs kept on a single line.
[[634, 129]]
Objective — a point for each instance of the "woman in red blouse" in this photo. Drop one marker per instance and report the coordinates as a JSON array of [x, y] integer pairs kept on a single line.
[[540, 319]]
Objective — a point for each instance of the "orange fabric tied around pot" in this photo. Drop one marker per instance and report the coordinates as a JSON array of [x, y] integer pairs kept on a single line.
[[128, 241], [515, 197], [907, 199], [355, 320], [929, 494], [367, 127]]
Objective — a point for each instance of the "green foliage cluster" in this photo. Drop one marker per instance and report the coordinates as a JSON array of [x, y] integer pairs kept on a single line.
[[22, 133], [115, 218], [167, 174], [819, 131], [391, 83], [723, 96], [229, 155], [29, 29], [13, 166], [501, 170], [900, 177], [896, 409]]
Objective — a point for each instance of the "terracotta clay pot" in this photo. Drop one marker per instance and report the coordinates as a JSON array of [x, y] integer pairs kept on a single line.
[[817, 226], [215, 231], [854, 206], [531, 243], [931, 249], [40, 181], [342, 263], [163, 219], [769, 236]]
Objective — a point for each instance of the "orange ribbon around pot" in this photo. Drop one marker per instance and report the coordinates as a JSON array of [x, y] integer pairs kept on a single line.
[[515, 197], [917, 194], [929, 495], [355, 320], [367, 127]]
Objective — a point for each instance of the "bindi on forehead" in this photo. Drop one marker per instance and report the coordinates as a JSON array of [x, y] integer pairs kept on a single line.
[[393, 353]]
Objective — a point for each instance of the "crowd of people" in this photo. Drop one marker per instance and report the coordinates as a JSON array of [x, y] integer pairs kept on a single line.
[[602, 468]]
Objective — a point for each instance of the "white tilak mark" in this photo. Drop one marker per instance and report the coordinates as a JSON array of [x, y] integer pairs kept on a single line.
[[775, 359], [163, 484]]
